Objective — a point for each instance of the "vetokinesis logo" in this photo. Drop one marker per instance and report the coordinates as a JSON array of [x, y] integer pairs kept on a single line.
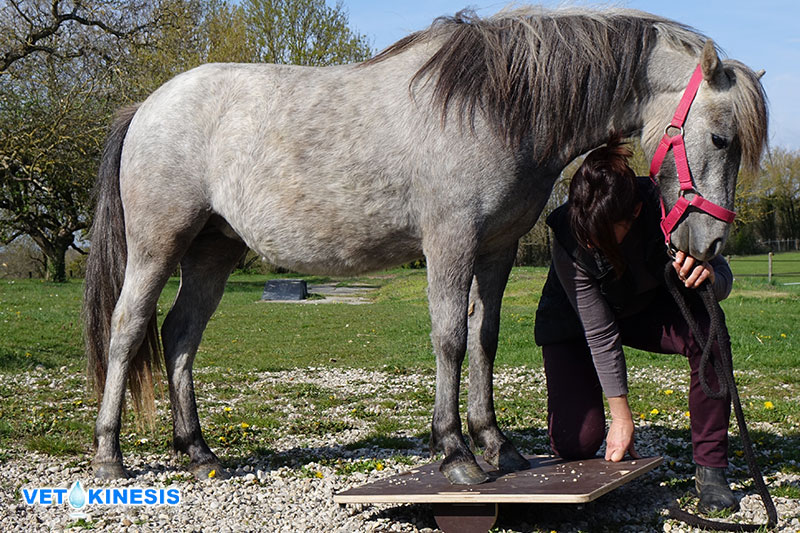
[[79, 498]]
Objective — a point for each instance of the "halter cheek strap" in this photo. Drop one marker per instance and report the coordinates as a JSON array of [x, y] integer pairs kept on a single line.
[[676, 144]]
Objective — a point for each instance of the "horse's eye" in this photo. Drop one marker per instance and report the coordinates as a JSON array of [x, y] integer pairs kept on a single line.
[[719, 142]]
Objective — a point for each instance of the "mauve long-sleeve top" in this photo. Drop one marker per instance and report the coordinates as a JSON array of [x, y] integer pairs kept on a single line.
[[598, 319]]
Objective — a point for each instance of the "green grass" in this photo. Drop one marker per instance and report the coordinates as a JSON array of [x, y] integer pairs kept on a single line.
[[785, 267], [40, 329]]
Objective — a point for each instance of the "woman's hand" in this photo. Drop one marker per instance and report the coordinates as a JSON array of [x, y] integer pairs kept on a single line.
[[620, 435], [691, 272]]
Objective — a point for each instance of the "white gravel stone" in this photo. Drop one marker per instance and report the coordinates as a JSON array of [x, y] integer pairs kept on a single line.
[[263, 497]]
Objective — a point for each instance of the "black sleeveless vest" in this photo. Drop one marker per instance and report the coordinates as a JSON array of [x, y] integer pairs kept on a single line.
[[556, 319]]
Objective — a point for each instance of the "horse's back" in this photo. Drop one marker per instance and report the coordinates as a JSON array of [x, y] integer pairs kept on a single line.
[[318, 169], [298, 161]]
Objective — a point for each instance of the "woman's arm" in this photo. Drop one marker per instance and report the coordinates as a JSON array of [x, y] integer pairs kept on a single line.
[[605, 344], [598, 320]]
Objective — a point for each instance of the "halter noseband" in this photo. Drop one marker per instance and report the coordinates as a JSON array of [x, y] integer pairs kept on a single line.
[[675, 142]]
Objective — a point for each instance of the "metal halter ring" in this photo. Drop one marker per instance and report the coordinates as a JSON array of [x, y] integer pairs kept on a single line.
[[666, 130]]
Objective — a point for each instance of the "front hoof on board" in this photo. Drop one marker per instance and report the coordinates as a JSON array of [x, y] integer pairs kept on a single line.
[[507, 458], [461, 470]]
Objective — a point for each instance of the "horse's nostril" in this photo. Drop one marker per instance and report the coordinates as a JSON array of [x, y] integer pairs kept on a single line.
[[715, 248]]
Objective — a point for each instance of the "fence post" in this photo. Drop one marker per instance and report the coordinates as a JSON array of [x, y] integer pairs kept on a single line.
[[769, 270]]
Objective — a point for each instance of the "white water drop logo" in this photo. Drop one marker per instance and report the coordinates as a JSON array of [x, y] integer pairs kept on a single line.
[[77, 497]]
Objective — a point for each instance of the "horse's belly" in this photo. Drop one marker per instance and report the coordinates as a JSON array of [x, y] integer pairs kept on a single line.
[[336, 249], [323, 235]]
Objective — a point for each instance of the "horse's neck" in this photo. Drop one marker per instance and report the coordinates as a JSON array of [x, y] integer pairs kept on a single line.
[[650, 103]]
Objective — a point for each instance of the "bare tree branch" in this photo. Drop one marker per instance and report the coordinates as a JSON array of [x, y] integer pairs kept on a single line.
[[30, 44]]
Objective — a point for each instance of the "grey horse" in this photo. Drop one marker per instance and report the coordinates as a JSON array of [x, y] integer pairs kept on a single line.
[[447, 145]]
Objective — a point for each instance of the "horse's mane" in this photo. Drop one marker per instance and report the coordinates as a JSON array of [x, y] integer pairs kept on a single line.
[[549, 74], [749, 111]]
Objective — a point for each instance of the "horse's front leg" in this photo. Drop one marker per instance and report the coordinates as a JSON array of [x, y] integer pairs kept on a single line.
[[491, 276], [449, 275]]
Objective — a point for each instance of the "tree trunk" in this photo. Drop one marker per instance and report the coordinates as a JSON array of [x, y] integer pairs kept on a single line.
[[57, 268], [56, 258]]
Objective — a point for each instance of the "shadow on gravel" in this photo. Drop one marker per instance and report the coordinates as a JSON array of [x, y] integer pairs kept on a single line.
[[636, 507], [370, 449]]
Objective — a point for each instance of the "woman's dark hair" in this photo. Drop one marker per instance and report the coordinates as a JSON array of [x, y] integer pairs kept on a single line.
[[602, 193]]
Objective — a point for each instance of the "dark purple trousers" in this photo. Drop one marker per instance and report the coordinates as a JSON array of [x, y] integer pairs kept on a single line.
[[576, 414]]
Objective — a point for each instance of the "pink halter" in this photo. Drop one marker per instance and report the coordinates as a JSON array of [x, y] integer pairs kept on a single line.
[[671, 219]]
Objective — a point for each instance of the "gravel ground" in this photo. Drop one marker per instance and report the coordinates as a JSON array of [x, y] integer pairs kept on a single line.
[[262, 495]]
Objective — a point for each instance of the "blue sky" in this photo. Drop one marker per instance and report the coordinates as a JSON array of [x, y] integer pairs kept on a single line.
[[764, 34]]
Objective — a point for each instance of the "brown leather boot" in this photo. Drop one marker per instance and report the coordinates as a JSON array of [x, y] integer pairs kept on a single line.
[[714, 491]]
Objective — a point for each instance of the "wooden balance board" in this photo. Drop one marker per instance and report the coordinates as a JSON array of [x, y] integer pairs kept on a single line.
[[473, 508]]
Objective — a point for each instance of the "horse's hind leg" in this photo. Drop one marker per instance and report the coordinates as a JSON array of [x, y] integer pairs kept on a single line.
[[491, 275], [145, 276], [204, 270]]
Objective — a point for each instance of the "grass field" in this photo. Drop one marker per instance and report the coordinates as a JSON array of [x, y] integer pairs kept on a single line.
[[40, 327], [45, 406], [785, 267]]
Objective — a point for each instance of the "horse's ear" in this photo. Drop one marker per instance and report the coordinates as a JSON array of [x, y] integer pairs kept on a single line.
[[760, 73], [710, 62]]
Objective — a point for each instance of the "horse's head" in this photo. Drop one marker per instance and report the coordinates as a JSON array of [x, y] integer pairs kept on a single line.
[[725, 125]]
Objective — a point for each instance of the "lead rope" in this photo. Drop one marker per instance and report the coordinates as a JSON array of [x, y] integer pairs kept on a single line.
[[724, 371]]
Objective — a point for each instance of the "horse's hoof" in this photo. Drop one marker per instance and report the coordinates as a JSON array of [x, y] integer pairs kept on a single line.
[[508, 459], [463, 472], [109, 471], [209, 471]]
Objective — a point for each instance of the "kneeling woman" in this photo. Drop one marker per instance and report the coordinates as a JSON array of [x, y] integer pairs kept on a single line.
[[605, 289]]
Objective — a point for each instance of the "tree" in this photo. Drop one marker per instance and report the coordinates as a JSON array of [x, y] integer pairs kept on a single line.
[[35, 27], [66, 65], [304, 32], [768, 203], [56, 94], [781, 181]]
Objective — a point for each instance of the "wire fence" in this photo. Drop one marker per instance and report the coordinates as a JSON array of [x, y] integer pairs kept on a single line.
[[771, 267]]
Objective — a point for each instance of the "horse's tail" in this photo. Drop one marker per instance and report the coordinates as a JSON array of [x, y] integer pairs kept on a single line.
[[105, 273]]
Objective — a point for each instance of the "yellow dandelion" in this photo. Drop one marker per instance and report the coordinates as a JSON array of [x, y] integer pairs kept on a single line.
[[379, 466], [769, 405], [227, 409], [654, 412], [212, 474], [244, 425], [687, 414], [642, 416], [783, 335], [319, 475], [668, 392], [223, 440]]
